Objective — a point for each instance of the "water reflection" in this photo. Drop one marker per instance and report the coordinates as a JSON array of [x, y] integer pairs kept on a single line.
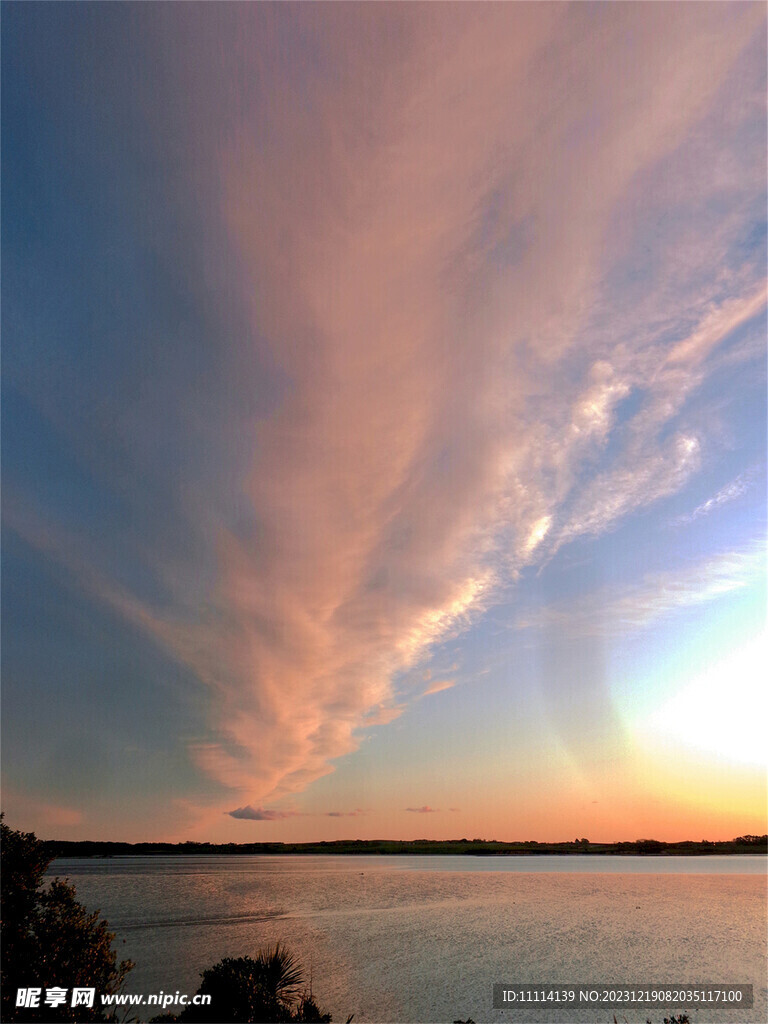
[[424, 938]]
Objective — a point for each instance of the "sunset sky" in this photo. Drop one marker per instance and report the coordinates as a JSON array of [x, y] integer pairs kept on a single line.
[[384, 420]]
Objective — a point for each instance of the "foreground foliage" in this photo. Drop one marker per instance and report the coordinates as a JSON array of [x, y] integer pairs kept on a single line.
[[48, 938], [249, 990]]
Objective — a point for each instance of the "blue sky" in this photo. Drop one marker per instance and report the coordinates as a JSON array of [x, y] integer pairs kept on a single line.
[[383, 420]]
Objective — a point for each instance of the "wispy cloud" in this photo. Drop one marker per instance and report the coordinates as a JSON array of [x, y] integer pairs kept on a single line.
[[726, 494], [402, 480], [21, 805], [439, 686], [626, 610], [423, 810], [435, 252], [649, 466]]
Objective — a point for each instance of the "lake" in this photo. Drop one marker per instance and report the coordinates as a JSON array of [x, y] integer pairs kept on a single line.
[[423, 939]]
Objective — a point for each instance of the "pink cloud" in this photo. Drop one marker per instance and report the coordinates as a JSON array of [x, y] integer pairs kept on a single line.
[[28, 812], [371, 551], [422, 244]]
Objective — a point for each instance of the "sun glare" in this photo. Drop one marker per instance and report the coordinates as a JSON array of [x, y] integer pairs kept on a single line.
[[722, 711]]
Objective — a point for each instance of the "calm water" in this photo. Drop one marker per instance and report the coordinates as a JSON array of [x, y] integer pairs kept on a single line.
[[422, 939]]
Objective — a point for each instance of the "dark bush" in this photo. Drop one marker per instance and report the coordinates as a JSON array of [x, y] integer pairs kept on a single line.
[[49, 939], [249, 990]]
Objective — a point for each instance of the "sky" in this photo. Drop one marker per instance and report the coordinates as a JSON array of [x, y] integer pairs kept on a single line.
[[384, 421]]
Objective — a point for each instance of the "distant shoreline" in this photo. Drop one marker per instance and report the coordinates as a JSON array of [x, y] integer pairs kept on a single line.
[[420, 847]]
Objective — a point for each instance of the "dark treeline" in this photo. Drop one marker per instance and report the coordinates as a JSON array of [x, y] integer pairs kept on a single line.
[[474, 847]]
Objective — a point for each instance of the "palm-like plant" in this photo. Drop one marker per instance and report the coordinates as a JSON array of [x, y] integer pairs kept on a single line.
[[254, 991], [280, 972]]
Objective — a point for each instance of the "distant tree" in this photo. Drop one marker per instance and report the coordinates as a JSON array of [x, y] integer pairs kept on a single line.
[[48, 938], [751, 840], [649, 846]]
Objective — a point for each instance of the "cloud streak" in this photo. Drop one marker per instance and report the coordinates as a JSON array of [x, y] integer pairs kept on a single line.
[[431, 235], [430, 446], [627, 610], [439, 687], [730, 492]]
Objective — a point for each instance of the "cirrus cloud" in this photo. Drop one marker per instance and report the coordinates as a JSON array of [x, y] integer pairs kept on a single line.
[[485, 273]]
